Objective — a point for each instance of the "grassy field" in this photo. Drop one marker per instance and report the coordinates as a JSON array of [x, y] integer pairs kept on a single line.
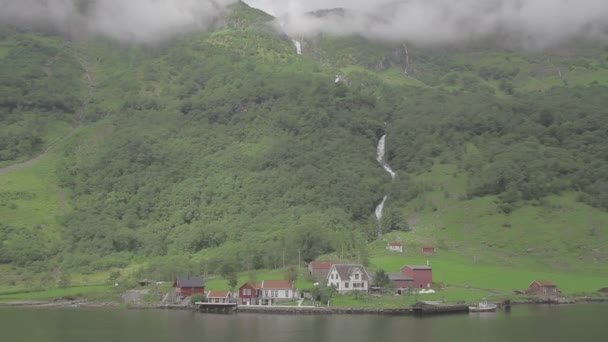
[[32, 196], [98, 292]]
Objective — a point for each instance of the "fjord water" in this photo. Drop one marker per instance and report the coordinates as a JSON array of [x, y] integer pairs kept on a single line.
[[584, 322]]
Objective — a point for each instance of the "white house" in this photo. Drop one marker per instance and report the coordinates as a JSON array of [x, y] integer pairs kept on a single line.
[[348, 277], [395, 246], [273, 290]]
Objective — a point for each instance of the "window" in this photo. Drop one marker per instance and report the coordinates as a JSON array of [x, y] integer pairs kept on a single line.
[[246, 292], [286, 293], [357, 285], [357, 276], [346, 285], [275, 293]]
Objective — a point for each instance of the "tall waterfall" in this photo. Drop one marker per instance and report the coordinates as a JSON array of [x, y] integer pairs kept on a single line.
[[380, 158], [298, 46]]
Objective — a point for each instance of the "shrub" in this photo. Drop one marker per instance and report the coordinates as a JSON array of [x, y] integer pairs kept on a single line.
[[199, 297]]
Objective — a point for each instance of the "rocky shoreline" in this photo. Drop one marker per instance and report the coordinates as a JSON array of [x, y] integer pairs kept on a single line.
[[76, 303]]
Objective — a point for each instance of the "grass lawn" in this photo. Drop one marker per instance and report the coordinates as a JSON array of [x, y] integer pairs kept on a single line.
[[35, 198], [98, 292]]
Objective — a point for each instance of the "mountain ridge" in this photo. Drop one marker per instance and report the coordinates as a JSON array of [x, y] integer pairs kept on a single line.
[[229, 148]]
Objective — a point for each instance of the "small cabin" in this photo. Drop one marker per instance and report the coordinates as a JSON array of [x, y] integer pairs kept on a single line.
[[428, 249], [543, 288], [395, 246]]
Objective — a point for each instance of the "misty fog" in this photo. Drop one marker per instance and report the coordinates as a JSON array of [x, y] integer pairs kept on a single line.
[[525, 23]]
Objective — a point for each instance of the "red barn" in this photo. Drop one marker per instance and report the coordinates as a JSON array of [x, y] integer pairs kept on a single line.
[[249, 293], [543, 288], [400, 280], [187, 286], [422, 275], [428, 249]]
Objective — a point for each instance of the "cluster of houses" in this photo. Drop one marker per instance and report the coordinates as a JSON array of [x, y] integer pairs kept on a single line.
[[265, 293], [343, 277]]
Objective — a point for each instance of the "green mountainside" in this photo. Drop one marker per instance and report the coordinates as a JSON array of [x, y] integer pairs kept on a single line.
[[230, 151]]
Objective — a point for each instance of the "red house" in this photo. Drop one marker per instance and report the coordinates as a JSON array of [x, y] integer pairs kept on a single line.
[[187, 286], [222, 297], [249, 294], [422, 275], [543, 288], [428, 249]]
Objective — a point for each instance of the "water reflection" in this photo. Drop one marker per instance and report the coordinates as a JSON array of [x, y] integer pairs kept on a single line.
[[523, 324]]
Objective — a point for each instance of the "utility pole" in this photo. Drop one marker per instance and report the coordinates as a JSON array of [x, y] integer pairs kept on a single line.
[[299, 259]]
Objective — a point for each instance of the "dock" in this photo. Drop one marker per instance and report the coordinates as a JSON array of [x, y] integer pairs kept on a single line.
[[224, 308], [437, 308]]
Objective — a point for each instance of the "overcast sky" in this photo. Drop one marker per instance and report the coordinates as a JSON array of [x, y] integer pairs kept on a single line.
[[532, 23]]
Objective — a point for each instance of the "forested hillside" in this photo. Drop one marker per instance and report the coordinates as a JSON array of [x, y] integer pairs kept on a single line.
[[229, 148]]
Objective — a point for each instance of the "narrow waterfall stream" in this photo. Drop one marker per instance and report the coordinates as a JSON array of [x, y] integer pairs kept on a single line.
[[298, 46], [380, 157]]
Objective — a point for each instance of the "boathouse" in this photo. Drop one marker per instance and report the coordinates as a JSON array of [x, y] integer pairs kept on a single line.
[[222, 297]]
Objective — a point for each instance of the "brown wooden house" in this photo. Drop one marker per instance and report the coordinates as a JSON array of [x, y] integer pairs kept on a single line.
[[543, 288], [187, 286]]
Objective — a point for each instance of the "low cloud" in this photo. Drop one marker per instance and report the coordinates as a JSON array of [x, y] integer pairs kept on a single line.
[[125, 20], [524, 23]]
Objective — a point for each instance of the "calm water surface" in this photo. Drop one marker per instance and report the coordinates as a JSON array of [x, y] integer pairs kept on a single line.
[[572, 323]]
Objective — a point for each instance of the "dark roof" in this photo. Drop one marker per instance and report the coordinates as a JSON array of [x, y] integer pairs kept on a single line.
[[190, 281], [345, 270], [398, 276], [395, 243], [418, 267]]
